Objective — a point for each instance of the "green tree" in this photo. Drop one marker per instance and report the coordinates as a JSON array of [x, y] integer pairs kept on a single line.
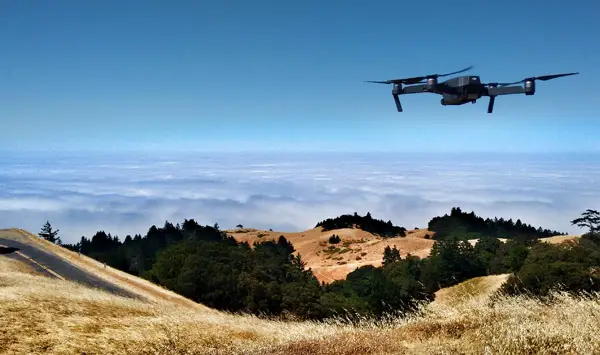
[[390, 255], [589, 219], [451, 261], [509, 257], [486, 249], [50, 235], [334, 239], [568, 267]]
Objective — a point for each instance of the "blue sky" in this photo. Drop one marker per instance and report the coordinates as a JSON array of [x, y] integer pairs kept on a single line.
[[288, 75]]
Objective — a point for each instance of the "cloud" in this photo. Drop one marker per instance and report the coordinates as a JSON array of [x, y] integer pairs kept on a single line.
[[126, 193]]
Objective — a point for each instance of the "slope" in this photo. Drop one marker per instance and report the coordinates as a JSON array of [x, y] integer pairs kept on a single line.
[[41, 315], [78, 267], [357, 247]]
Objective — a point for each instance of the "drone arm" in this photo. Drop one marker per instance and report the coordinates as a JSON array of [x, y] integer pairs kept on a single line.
[[414, 89], [493, 91], [506, 90]]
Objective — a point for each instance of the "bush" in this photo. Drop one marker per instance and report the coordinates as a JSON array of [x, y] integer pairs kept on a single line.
[[334, 239]]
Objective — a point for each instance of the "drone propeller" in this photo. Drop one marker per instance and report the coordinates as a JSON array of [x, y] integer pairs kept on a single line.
[[542, 78], [417, 79]]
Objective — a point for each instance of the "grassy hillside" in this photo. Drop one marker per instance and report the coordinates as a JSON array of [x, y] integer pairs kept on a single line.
[[45, 316], [356, 248], [146, 289]]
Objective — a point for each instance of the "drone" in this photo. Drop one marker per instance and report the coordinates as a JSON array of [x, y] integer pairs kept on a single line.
[[463, 89], [7, 250]]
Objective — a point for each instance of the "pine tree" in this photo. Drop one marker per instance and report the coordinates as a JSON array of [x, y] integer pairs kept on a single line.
[[390, 255], [590, 219], [48, 234]]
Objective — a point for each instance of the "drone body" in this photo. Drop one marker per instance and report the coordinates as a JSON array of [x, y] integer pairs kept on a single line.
[[463, 89]]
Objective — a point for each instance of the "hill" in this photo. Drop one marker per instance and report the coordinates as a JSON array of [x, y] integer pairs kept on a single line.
[[46, 316], [363, 239], [356, 247], [492, 296], [319, 274], [143, 288], [477, 289]]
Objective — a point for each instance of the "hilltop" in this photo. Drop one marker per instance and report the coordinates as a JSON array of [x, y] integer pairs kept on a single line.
[[333, 261], [357, 248], [363, 239]]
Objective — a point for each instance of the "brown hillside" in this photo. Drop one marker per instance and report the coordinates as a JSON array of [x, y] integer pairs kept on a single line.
[[357, 247], [333, 262]]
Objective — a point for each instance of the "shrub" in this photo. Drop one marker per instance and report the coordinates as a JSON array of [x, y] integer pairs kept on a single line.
[[334, 239]]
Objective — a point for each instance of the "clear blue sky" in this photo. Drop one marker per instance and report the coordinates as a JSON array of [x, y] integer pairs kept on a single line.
[[289, 74]]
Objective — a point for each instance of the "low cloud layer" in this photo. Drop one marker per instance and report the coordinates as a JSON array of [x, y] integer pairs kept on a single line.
[[127, 193]]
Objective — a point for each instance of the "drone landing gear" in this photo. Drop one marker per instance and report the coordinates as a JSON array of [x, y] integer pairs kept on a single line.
[[397, 90], [491, 104], [398, 104]]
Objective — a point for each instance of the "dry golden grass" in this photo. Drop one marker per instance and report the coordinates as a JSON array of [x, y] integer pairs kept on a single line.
[[558, 239], [479, 288], [8, 264], [48, 316]]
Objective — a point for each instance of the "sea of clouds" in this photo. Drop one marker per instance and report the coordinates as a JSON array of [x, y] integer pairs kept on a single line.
[[126, 193]]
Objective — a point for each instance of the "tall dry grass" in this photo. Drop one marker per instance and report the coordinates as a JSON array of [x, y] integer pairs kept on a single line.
[[40, 315]]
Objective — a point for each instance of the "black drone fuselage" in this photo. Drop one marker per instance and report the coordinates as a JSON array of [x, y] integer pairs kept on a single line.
[[460, 90]]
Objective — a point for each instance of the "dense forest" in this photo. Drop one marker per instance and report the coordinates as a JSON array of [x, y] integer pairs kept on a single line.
[[366, 223], [462, 225], [205, 264]]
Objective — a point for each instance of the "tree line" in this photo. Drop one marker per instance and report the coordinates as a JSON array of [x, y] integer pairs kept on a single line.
[[464, 225], [366, 223]]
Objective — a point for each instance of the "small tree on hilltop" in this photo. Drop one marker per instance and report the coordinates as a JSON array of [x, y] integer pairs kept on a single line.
[[589, 219], [48, 234], [390, 255], [334, 239]]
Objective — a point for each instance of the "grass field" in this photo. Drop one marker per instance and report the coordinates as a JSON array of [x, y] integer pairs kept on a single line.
[[47, 316]]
